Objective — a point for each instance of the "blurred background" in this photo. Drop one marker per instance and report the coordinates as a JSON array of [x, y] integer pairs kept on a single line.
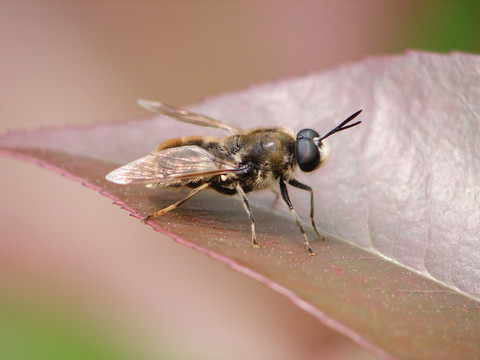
[[81, 279]]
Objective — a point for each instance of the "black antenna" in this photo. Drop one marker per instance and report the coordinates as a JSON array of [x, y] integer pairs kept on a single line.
[[341, 127]]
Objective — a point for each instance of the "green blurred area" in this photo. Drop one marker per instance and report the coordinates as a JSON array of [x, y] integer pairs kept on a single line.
[[443, 26], [36, 330]]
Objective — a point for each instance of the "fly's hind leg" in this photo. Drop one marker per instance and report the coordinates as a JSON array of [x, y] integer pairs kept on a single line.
[[286, 198], [249, 212], [177, 204], [301, 186]]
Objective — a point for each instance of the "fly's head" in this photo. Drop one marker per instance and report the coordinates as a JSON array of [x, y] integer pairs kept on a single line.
[[312, 152]]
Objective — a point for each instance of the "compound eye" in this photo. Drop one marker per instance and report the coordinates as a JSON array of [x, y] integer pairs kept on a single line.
[[307, 133], [308, 155]]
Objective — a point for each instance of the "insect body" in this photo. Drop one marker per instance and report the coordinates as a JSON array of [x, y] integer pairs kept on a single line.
[[241, 162]]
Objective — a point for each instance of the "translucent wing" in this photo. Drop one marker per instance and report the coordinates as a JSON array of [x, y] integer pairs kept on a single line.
[[184, 115], [171, 165]]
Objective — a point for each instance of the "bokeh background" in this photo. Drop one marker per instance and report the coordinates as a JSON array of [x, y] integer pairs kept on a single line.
[[81, 279]]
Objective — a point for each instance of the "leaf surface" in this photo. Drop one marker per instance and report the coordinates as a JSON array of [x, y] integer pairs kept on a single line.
[[398, 199]]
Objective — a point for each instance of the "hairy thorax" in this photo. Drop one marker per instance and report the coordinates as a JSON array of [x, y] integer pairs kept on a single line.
[[268, 153]]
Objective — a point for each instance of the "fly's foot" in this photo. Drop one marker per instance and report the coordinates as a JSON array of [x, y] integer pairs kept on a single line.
[[146, 219]]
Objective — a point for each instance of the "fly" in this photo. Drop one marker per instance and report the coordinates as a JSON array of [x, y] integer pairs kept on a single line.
[[238, 163]]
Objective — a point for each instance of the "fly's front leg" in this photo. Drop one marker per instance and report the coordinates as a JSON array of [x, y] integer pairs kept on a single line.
[[301, 186], [177, 204], [249, 212], [286, 198]]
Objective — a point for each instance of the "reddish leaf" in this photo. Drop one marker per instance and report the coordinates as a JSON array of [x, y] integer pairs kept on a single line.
[[403, 186]]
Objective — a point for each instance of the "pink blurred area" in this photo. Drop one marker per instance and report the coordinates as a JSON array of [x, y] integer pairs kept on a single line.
[[78, 62]]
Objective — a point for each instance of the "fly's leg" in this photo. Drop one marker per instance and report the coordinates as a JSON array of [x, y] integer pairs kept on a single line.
[[286, 198], [301, 186], [249, 212], [177, 204], [277, 196]]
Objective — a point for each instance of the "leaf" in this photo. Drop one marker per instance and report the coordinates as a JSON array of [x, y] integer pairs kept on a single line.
[[399, 198]]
